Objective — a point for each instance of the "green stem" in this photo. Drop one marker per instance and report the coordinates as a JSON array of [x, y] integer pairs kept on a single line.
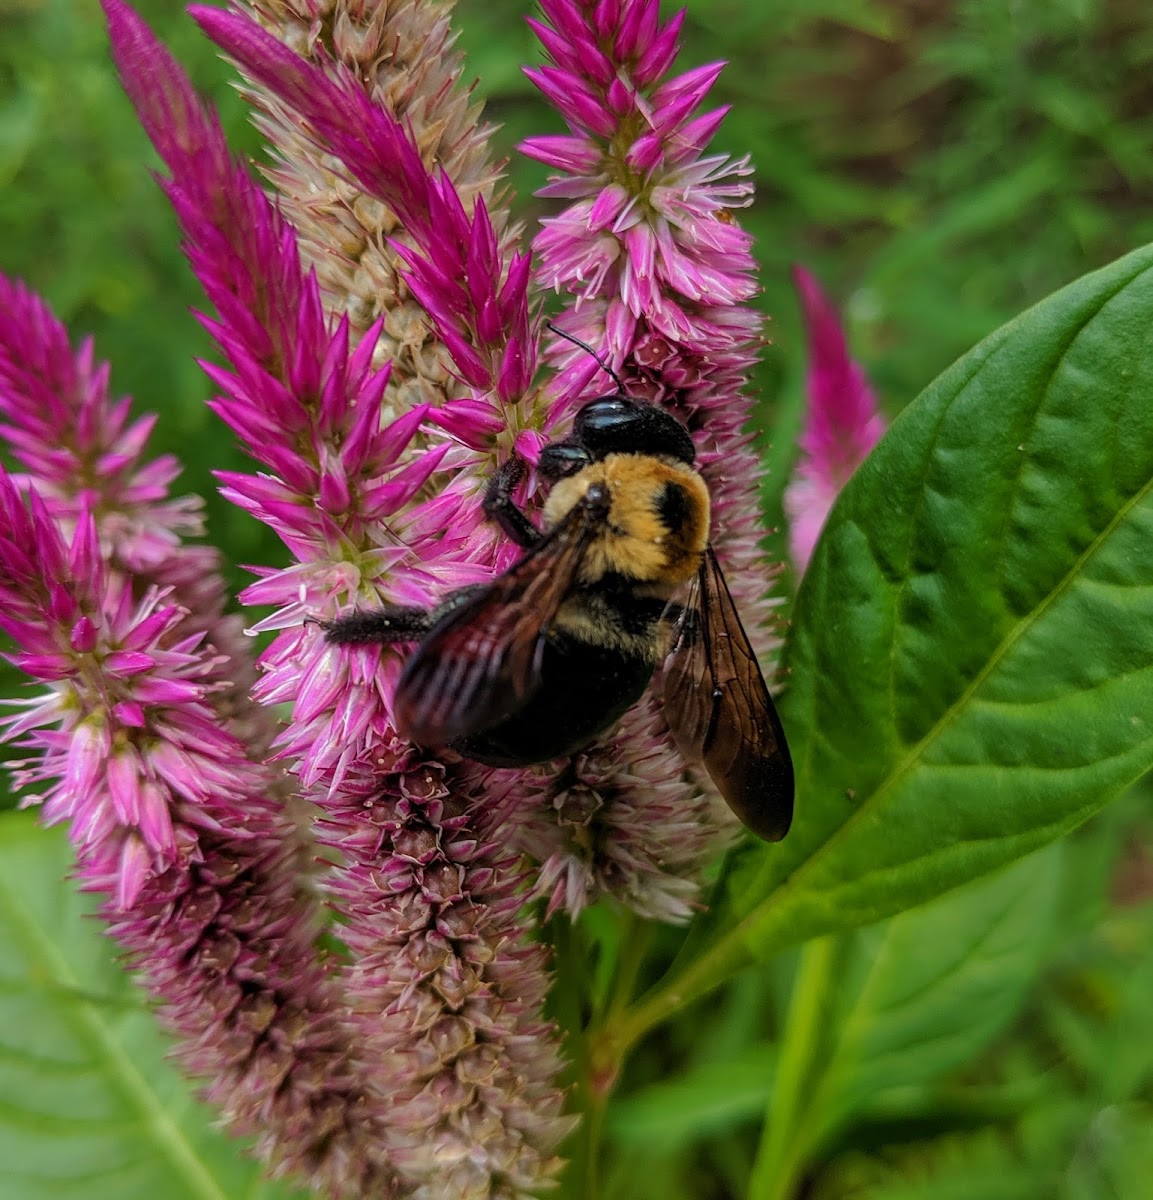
[[592, 1076], [567, 1008], [594, 1125], [636, 939], [624, 1029], [783, 1149]]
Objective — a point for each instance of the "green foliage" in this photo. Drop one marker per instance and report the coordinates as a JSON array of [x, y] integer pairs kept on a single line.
[[883, 1016], [970, 655], [87, 1104]]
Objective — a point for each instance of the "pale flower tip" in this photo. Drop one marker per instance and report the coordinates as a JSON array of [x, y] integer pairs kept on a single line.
[[807, 503]]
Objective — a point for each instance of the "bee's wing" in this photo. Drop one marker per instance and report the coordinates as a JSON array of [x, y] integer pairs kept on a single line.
[[719, 709], [481, 661]]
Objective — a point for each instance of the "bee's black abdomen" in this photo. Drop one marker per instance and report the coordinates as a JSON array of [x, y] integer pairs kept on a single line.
[[584, 689]]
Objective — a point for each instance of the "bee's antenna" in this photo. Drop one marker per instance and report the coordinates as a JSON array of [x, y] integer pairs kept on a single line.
[[568, 337]]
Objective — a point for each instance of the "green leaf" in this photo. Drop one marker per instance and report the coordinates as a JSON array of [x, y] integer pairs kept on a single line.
[[972, 657], [698, 1104], [926, 991], [901, 1005], [88, 1106], [972, 651]]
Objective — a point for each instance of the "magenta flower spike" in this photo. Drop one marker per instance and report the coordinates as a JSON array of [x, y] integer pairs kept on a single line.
[[443, 985], [78, 444], [85, 453], [404, 57], [660, 277], [186, 840], [477, 300], [842, 423]]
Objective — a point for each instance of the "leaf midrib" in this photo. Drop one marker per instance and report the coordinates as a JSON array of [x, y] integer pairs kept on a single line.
[[167, 1135]]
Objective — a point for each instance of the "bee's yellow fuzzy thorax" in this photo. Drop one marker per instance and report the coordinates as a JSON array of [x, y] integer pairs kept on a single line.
[[658, 525]]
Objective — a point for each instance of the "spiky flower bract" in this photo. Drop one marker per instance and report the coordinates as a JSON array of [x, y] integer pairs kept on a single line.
[[401, 53], [842, 423]]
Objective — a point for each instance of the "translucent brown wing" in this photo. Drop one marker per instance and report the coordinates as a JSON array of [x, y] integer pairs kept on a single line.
[[719, 708], [481, 661]]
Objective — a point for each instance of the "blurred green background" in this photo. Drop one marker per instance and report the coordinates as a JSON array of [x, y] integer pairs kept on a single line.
[[939, 165]]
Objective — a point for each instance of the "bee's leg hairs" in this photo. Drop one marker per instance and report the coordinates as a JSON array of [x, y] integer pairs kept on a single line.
[[381, 625]]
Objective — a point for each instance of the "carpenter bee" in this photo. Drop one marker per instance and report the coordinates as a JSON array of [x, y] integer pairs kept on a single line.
[[537, 664]]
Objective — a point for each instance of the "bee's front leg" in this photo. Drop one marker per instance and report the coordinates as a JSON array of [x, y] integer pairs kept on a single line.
[[500, 507], [378, 625]]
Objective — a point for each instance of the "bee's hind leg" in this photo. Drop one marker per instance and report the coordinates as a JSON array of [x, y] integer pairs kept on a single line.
[[500, 507], [378, 625]]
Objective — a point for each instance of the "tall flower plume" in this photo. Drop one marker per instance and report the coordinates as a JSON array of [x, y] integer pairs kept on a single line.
[[443, 984], [145, 743], [401, 54], [660, 276], [842, 423]]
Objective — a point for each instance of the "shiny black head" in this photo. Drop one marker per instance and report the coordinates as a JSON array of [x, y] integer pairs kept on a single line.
[[616, 425]]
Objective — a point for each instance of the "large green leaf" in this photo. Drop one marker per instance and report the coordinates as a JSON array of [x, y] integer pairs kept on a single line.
[[925, 992], [972, 653], [898, 1005], [88, 1106], [972, 658]]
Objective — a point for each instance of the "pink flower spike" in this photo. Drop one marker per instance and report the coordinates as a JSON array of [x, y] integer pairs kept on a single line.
[[456, 271], [439, 939], [659, 277], [842, 423]]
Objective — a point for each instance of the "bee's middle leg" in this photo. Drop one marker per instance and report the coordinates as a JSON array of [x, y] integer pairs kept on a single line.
[[500, 507]]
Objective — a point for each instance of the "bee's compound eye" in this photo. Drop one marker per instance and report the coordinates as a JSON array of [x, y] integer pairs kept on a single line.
[[561, 460]]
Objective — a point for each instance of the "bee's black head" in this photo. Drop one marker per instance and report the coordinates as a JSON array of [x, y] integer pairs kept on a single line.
[[617, 425]]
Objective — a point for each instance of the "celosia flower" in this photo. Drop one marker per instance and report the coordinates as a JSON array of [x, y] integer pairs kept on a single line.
[[371, 473], [85, 453], [83, 449], [185, 838], [842, 423], [443, 984], [661, 277], [401, 54]]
